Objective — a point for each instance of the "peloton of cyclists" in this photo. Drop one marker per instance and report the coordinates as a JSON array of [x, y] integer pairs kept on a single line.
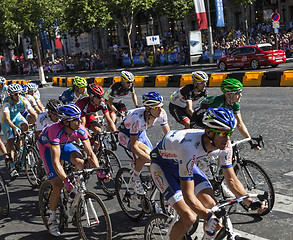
[[181, 100], [132, 133], [32, 89]]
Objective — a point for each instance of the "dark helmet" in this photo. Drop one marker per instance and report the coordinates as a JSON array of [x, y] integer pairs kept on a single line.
[[53, 104]]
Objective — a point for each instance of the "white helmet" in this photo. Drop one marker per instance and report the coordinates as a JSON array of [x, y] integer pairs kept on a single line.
[[14, 88], [32, 87], [199, 76], [2, 80], [127, 76]]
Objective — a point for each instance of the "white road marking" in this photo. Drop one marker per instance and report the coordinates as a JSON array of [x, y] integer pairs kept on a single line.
[[283, 204], [289, 174]]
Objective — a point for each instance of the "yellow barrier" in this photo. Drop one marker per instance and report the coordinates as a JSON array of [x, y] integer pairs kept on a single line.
[[162, 80], [69, 81], [139, 81], [252, 79], [216, 79], [55, 81], [99, 81], [287, 79], [14, 81], [185, 79], [116, 79], [62, 81]]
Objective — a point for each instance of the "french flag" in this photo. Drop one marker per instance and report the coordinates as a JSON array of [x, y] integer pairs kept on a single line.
[[201, 16]]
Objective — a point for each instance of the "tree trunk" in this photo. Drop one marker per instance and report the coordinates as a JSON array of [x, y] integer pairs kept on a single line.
[[246, 25]]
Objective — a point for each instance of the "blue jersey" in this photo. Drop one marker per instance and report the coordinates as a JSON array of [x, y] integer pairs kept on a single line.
[[69, 96]]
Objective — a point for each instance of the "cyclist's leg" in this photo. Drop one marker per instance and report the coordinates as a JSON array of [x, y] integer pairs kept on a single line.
[[71, 153], [144, 145], [180, 115]]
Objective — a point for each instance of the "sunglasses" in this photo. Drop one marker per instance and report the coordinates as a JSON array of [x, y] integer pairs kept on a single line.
[[237, 92], [222, 134], [76, 119], [157, 107], [16, 94], [98, 96]]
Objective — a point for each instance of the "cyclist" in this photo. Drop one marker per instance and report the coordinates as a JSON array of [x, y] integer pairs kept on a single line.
[[13, 123], [117, 92], [55, 144], [91, 105], [132, 133], [78, 90], [181, 100], [232, 93], [183, 184], [48, 117], [32, 89]]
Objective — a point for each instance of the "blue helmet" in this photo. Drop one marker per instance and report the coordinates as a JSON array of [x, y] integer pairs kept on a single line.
[[151, 99], [220, 119], [24, 89], [68, 112]]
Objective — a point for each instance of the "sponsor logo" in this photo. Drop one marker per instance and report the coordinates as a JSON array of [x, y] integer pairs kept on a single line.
[[185, 140], [168, 155], [154, 155], [159, 181], [196, 145], [190, 165]]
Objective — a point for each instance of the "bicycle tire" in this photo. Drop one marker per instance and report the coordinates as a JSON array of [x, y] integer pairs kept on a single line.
[[129, 202], [31, 166], [4, 198], [157, 227], [258, 182], [128, 153], [108, 159], [100, 223]]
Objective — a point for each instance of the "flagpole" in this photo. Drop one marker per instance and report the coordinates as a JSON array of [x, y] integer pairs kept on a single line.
[[210, 33]]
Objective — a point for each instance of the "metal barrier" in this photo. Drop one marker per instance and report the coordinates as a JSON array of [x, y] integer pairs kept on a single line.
[[139, 81], [287, 79], [185, 79], [253, 79], [216, 79], [162, 80]]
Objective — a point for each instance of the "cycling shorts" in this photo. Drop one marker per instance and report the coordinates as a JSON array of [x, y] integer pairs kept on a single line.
[[65, 151], [124, 140], [167, 181], [180, 114], [120, 106], [17, 121]]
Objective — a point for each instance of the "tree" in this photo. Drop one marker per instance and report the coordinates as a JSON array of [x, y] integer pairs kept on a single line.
[[124, 11]]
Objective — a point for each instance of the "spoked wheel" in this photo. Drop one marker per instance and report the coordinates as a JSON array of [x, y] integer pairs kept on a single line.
[[129, 201], [31, 167], [4, 197], [157, 227], [93, 220], [109, 160], [255, 181]]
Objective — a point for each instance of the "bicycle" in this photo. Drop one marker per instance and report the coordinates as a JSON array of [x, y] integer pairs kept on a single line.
[[251, 174], [4, 198], [159, 225], [87, 209]]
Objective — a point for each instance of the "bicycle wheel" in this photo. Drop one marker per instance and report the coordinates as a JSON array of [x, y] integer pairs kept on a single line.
[[128, 153], [130, 202], [93, 220], [31, 166], [44, 195], [109, 160], [157, 227], [255, 180], [4, 197]]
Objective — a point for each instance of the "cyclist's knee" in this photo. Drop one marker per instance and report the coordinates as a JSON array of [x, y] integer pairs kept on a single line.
[[24, 127], [188, 219]]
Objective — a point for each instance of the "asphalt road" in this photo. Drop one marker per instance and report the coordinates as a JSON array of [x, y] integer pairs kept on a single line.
[[266, 111]]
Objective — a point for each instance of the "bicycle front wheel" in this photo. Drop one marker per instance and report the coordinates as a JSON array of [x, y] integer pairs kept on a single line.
[[4, 197], [44, 195], [129, 201], [109, 160], [157, 227], [255, 181], [93, 220], [31, 166]]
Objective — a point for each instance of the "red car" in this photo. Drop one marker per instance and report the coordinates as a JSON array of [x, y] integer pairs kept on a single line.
[[253, 56]]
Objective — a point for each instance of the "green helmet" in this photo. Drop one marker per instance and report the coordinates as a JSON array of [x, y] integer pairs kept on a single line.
[[231, 85], [79, 82]]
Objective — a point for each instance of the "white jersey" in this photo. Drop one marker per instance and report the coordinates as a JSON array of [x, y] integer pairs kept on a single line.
[[3, 94], [43, 121], [32, 100], [181, 149], [135, 124]]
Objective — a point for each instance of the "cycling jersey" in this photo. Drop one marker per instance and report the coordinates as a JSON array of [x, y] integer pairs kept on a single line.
[[174, 159], [69, 96], [55, 134], [211, 102], [184, 94], [32, 100], [135, 124], [117, 91], [43, 121], [3, 93]]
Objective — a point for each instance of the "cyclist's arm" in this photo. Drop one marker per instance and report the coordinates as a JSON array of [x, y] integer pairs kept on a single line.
[[135, 149], [189, 107], [111, 105], [40, 105], [37, 109], [134, 99], [55, 155], [33, 114], [110, 123], [166, 129], [8, 121], [89, 151]]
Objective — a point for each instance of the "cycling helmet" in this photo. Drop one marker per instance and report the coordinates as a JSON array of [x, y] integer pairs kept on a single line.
[[79, 82], [199, 76], [68, 112], [2, 80], [151, 98], [32, 87], [219, 119], [14, 88], [95, 90], [53, 104], [24, 89], [127, 76], [231, 85]]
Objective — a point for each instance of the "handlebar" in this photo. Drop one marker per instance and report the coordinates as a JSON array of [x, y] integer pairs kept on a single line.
[[256, 142]]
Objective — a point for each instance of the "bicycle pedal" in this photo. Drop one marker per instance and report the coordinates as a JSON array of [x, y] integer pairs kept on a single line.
[[146, 205]]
